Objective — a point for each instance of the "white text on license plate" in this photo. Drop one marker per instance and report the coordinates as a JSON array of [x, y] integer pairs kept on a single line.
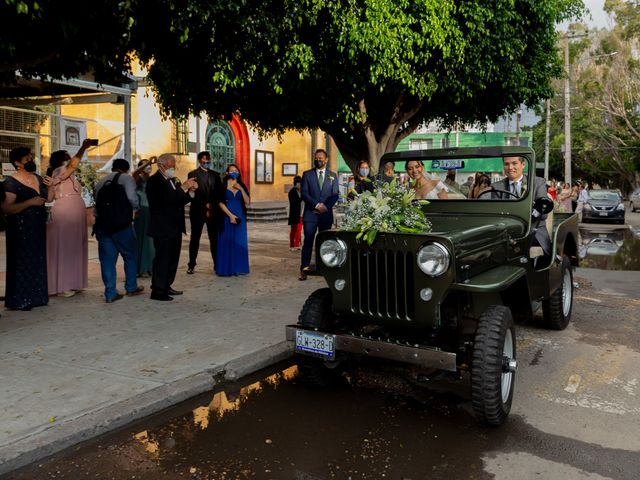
[[604, 214], [315, 343]]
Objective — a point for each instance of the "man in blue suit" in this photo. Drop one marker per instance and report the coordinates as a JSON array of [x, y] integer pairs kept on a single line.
[[319, 191]]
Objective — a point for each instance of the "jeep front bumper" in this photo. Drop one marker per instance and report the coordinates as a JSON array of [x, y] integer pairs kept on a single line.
[[417, 355]]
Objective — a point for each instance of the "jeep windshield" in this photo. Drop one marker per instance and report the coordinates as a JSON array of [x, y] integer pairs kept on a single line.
[[493, 178], [469, 173]]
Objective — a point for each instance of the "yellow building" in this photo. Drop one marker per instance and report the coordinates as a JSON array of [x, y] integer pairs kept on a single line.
[[267, 165]]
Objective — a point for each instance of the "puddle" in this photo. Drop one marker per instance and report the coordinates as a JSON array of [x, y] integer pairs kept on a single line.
[[373, 426], [379, 425], [610, 248]]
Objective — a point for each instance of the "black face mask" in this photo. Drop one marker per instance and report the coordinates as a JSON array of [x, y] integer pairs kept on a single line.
[[319, 164], [30, 166]]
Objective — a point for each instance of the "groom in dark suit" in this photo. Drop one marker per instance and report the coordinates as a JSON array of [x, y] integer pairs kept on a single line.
[[167, 199], [319, 192], [516, 183]]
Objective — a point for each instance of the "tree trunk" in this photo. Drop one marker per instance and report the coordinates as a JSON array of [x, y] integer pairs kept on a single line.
[[363, 143]]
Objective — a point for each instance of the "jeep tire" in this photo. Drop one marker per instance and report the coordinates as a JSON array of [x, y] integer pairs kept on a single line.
[[493, 366], [557, 308], [316, 313]]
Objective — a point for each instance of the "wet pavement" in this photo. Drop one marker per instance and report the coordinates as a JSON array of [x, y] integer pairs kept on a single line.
[[575, 415], [610, 248]]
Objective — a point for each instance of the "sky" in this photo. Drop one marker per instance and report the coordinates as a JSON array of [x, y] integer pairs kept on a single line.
[[600, 18]]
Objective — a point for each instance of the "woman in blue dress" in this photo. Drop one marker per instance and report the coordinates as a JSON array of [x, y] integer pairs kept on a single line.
[[232, 257]]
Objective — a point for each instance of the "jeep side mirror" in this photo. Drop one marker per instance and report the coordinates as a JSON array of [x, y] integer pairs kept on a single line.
[[542, 206]]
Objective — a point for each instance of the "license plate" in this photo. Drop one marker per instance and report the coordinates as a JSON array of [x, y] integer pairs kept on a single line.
[[318, 344], [604, 214]]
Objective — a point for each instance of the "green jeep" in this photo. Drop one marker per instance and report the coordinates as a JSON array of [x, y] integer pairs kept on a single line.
[[444, 300]]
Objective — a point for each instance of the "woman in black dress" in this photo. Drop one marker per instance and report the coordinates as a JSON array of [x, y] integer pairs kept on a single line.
[[25, 193]]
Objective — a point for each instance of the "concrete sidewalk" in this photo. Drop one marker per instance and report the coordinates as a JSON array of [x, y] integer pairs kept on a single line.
[[79, 367]]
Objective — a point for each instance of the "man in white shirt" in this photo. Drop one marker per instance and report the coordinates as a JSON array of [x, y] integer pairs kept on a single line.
[[583, 197]]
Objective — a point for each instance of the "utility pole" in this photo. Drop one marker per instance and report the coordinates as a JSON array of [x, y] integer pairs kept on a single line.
[[518, 117], [567, 115], [546, 141], [567, 105]]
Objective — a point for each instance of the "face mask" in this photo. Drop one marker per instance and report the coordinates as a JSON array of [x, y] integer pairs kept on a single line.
[[206, 165], [364, 172], [147, 169], [234, 175], [319, 164], [30, 166], [170, 172]]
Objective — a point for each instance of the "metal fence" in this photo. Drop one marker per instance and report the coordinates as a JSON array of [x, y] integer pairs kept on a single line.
[[41, 131]]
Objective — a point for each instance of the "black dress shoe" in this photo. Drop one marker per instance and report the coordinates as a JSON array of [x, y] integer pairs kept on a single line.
[[190, 271], [163, 297], [171, 291]]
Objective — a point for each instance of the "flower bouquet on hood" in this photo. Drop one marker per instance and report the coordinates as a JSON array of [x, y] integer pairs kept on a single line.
[[389, 208]]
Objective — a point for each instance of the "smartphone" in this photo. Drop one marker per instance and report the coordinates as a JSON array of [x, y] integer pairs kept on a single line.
[[93, 142]]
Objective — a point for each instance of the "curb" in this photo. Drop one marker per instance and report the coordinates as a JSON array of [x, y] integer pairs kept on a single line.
[[71, 431]]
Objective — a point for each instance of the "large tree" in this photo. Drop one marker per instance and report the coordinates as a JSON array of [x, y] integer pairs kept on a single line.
[[64, 39], [368, 72]]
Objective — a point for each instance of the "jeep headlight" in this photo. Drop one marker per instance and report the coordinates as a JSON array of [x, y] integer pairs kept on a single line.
[[333, 252], [433, 259]]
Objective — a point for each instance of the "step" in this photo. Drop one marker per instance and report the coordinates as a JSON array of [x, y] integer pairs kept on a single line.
[[267, 211]]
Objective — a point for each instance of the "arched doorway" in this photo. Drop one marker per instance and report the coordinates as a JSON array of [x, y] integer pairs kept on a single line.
[[220, 143]]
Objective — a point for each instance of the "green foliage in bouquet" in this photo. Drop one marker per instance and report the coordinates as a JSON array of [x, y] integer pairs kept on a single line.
[[390, 208]]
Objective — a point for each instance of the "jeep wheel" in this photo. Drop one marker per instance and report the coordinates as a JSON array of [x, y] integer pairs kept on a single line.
[[316, 313], [557, 309], [493, 366]]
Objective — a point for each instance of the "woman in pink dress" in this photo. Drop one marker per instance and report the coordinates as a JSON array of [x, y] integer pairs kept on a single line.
[[67, 247], [565, 198]]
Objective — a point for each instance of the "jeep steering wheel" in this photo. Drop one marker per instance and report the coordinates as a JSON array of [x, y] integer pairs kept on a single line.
[[492, 190]]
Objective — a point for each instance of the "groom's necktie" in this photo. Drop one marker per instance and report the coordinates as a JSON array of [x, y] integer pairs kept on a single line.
[[321, 178], [514, 189]]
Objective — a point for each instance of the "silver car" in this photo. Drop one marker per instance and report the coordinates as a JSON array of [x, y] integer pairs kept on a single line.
[[635, 200]]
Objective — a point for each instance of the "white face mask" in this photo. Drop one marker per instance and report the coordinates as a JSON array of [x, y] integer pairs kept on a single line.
[[147, 169], [170, 172]]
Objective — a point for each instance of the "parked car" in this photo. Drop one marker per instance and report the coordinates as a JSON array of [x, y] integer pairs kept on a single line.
[[602, 246], [634, 202], [604, 206], [444, 300]]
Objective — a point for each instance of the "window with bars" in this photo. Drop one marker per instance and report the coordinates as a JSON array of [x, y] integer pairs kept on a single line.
[[421, 144], [180, 136]]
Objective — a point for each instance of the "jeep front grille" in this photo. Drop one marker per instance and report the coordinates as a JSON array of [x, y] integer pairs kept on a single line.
[[382, 283]]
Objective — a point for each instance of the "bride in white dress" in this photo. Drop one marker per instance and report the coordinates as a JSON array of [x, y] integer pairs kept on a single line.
[[430, 189]]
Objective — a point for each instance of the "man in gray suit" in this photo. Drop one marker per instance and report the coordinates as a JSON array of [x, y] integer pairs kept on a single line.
[[516, 184]]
